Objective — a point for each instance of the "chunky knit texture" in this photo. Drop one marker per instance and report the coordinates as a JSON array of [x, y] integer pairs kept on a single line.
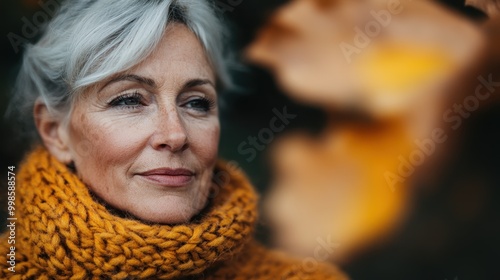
[[63, 233]]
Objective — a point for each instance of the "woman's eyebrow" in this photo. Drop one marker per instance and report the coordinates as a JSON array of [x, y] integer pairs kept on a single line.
[[133, 78], [197, 82], [151, 83]]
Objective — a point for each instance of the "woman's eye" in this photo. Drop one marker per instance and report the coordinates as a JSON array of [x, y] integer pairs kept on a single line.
[[201, 104], [128, 100]]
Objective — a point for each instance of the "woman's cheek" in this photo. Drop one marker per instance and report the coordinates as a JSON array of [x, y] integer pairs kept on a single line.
[[206, 140], [108, 140]]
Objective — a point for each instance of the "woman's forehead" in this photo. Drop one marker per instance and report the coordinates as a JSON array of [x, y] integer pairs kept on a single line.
[[179, 55]]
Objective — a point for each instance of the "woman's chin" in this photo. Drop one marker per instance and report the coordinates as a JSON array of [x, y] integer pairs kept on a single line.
[[170, 211]]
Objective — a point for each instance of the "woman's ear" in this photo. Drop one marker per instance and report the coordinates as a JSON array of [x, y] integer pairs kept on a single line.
[[53, 132]]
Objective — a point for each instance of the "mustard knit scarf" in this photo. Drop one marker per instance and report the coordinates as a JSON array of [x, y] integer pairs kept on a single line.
[[63, 233]]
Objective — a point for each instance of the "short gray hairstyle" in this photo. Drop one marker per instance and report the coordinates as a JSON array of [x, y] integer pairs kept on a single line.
[[88, 41]]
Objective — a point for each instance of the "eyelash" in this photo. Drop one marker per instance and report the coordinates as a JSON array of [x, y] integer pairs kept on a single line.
[[205, 106], [136, 97]]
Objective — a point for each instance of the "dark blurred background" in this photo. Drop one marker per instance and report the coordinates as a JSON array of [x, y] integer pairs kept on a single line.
[[448, 234]]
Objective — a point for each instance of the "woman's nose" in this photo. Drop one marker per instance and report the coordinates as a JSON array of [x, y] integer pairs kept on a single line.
[[170, 132]]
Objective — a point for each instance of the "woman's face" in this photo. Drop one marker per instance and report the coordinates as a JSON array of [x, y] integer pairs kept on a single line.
[[145, 141]]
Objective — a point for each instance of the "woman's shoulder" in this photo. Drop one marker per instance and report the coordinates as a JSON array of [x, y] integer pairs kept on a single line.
[[258, 262]]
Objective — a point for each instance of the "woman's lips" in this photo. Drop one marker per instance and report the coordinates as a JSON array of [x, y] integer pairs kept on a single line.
[[169, 177]]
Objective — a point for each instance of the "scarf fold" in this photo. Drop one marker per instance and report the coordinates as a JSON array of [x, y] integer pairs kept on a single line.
[[63, 233]]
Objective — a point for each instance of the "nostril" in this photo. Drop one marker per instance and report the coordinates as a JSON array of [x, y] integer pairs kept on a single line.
[[173, 145], [162, 146]]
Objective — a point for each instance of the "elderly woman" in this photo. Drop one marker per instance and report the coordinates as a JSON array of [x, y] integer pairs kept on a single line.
[[127, 184]]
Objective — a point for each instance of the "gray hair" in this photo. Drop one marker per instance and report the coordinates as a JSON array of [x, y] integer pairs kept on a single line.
[[88, 41]]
